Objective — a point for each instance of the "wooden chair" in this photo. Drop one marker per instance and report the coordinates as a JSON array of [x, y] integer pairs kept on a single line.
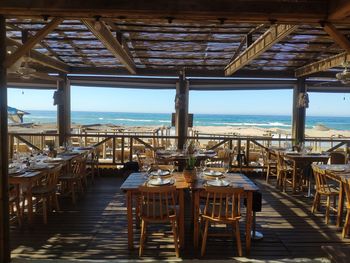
[[323, 188], [75, 179], [270, 163], [284, 172], [222, 205], [158, 205], [46, 190], [337, 158], [14, 202], [346, 227], [92, 165]]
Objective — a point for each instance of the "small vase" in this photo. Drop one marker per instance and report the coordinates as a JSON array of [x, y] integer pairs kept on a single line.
[[190, 175]]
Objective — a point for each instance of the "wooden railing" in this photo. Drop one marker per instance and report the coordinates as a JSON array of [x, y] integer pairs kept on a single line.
[[116, 149]]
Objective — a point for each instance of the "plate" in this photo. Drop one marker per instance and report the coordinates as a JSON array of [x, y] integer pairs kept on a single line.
[[218, 183], [52, 160], [213, 173], [39, 167], [337, 169], [162, 173], [160, 181], [15, 171]]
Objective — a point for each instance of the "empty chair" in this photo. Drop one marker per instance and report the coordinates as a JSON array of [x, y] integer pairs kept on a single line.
[[223, 206], [347, 218], [270, 162], [337, 158], [158, 205], [323, 188], [46, 190], [75, 179], [92, 164], [284, 172]]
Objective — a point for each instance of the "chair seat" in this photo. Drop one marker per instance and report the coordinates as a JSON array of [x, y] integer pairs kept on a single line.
[[41, 190], [331, 191]]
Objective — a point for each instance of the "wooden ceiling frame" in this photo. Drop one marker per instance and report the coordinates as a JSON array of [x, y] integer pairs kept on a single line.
[[340, 9], [273, 35], [42, 58], [32, 41], [111, 43], [322, 65], [337, 36]]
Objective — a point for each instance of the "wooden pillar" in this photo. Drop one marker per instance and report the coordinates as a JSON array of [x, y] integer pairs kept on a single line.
[[299, 113], [63, 109], [5, 254], [181, 106]]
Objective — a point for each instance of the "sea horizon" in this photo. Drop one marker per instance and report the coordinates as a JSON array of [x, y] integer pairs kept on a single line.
[[200, 119]]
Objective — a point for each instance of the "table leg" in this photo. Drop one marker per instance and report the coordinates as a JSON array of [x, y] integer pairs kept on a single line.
[[340, 204], [30, 204], [196, 220], [248, 225], [130, 220], [181, 218]]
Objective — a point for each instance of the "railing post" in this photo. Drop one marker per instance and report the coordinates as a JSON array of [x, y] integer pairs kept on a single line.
[[122, 150], [113, 149], [131, 151], [247, 147]]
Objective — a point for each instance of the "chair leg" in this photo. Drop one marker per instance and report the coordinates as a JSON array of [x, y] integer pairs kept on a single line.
[[205, 236], [72, 186], [173, 225], [327, 208], [267, 174], [346, 224], [315, 203], [142, 237], [18, 212], [57, 205], [238, 239], [45, 209]]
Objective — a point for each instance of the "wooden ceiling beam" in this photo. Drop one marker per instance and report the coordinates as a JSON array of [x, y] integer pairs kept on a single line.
[[42, 58], [340, 9], [273, 35], [323, 65], [32, 41], [254, 10], [111, 43], [337, 36]]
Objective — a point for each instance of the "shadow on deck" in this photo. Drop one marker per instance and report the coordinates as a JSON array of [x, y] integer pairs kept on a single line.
[[96, 229]]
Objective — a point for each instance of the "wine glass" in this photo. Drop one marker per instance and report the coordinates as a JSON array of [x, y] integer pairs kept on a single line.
[[226, 167], [172, 167]]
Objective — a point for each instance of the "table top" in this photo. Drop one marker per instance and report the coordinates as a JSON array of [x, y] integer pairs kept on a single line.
[[134, 180], [25, 177], [337, 175]]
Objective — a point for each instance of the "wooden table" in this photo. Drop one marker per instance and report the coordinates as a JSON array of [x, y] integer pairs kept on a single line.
[[130, 187], [342, 178], [303, 160], [236, 179]]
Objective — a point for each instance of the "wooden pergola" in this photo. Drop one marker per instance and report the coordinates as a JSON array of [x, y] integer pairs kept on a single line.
[[196, 44]]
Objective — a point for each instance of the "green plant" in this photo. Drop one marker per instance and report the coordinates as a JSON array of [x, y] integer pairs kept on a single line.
[[190, 163]]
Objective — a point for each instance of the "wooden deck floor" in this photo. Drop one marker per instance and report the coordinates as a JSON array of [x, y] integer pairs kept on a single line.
[[96, 229]]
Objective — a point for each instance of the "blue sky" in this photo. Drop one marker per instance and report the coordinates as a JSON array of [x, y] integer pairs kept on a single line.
[[272, 102]]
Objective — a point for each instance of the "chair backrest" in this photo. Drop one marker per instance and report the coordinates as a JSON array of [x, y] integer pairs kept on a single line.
[[79, 166], [157, 203], [347, 192], [337, 158], [281, 162], [222, 203], [320, 179], [52, 176]]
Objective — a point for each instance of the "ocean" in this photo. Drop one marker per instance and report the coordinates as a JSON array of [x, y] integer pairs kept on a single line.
[[160, 119]]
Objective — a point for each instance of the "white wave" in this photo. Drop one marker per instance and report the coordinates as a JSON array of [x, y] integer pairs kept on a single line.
[[100, 118], [140, 120], [272, 124]]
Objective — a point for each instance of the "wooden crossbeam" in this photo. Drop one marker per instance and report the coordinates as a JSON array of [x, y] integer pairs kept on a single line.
[[337, 36], [340, 9], [31, 42], [111, 43], [264, 42], [322, 65], [42, 58]]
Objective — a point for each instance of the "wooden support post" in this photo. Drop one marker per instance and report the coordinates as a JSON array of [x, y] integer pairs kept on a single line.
[[63, 109], [181, 106], [5, 254], [299, 113]]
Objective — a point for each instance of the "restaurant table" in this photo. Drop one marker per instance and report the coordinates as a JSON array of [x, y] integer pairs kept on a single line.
[[131, 184], [301, 160], [341, 177], [130, 187], [236, 180]]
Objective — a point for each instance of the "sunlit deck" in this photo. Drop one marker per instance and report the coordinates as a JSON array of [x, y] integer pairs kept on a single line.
[[96, 229]]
